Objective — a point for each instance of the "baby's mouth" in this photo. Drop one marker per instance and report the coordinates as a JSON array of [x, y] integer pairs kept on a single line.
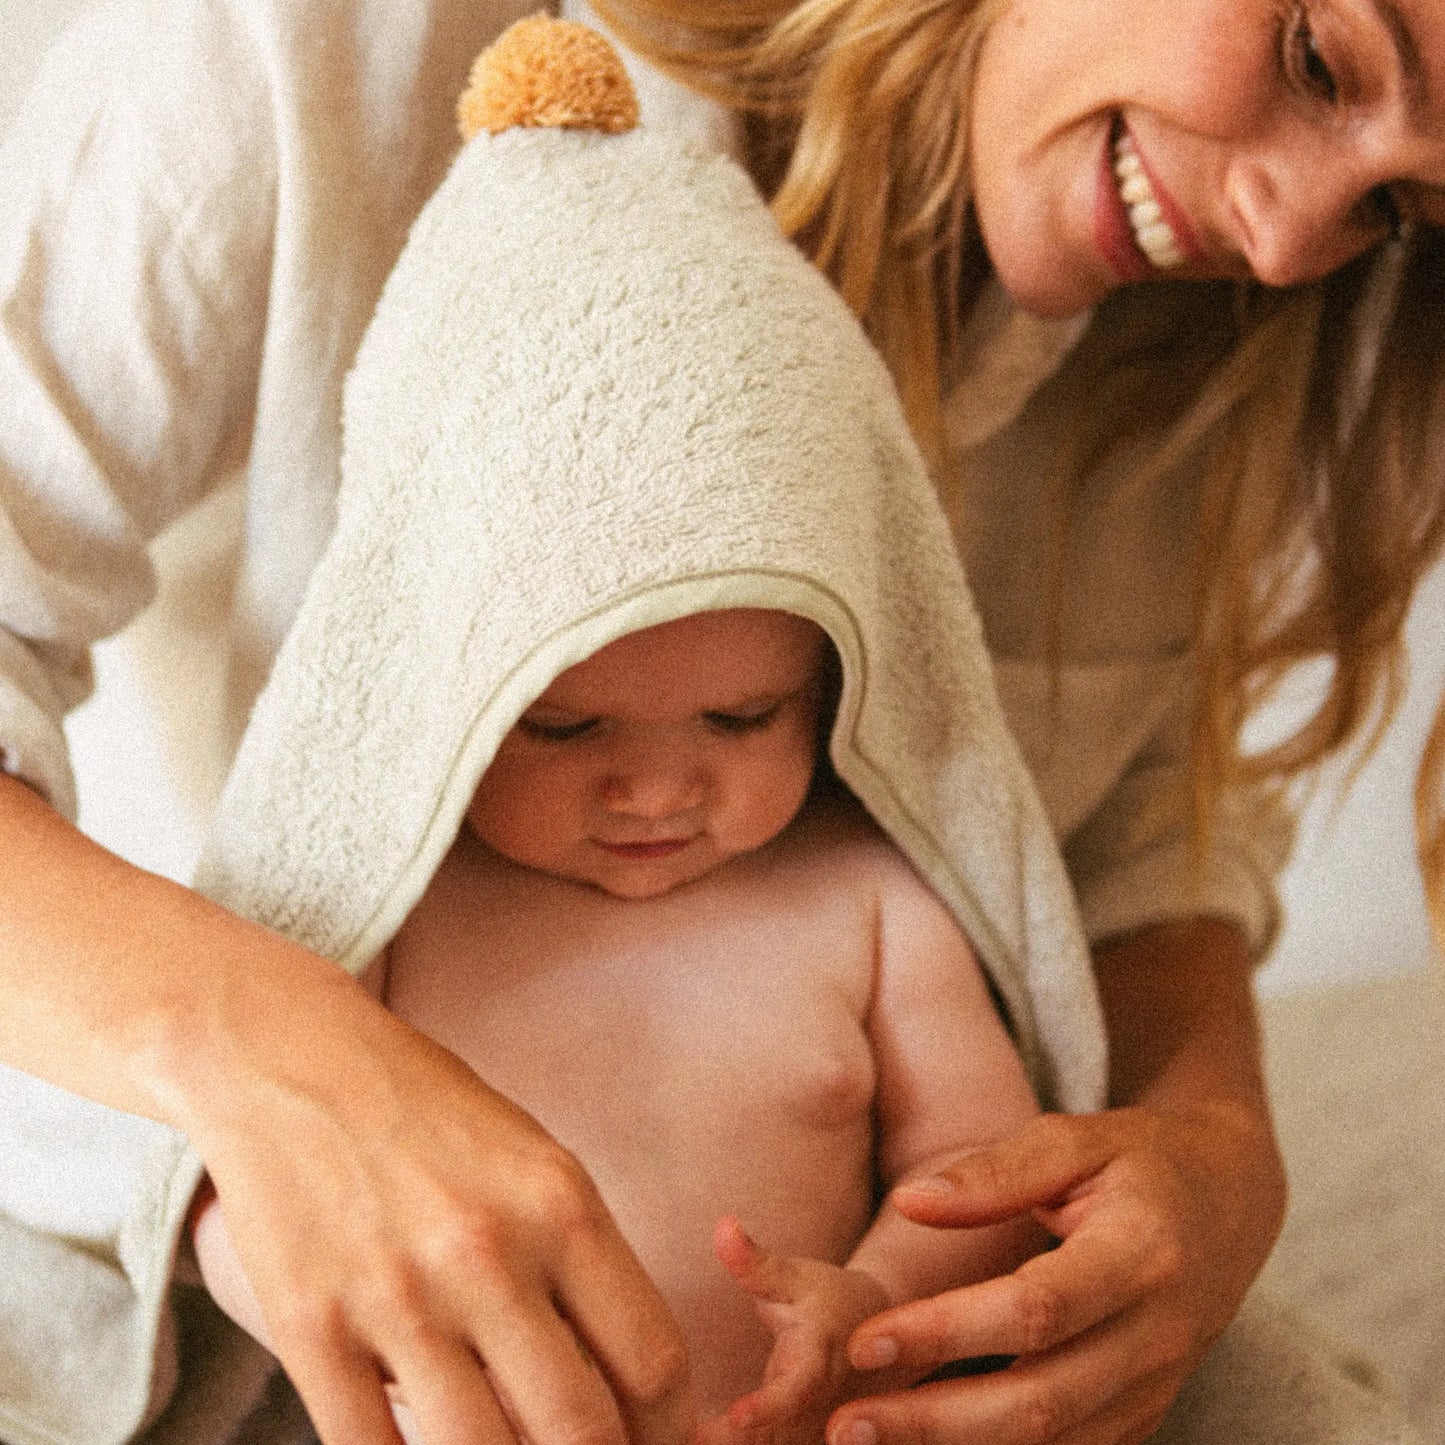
[[1152, 233], [644, 852]]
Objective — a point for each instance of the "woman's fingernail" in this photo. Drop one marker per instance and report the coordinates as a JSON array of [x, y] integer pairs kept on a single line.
[[933, 1184], [875, 1354], [857, 1432]]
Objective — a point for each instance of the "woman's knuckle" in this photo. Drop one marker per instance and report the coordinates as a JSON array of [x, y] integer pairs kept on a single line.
[[1168, 1261], [392, 1292], [564, 1196], [1039, 1315], [468, 1241], [1043, 1414], [660, 1372]]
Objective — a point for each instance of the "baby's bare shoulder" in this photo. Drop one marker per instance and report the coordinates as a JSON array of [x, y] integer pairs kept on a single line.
[[836, 835], [839, 854]]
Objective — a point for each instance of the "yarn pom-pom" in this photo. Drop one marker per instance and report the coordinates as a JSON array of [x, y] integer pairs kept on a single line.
[[547, 72]]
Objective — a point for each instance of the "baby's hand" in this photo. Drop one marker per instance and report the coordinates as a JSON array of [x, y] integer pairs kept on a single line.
[[220, 1267], [811, 1308]]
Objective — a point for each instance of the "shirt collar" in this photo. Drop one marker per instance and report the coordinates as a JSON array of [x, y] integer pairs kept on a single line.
[[1008, 354]]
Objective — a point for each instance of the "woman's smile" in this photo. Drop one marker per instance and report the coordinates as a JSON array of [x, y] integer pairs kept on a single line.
[[1155, 220], [1227, 139]]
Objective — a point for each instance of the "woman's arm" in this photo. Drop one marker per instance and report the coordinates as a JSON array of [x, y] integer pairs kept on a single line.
[[1167, 1205], [396, 1218]]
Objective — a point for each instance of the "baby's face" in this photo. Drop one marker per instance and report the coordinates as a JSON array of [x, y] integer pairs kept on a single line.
[[662, 755]]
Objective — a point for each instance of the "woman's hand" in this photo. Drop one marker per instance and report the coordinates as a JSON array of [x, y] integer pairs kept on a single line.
[[811, 1307], [397, 1219], [1165, 1211], [1158, 1249], [404, 1227]]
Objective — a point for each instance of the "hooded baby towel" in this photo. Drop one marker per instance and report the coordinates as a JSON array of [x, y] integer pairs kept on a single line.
[[601, 391]]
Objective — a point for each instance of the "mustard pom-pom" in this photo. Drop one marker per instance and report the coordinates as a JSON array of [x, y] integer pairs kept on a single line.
[[547, 72]]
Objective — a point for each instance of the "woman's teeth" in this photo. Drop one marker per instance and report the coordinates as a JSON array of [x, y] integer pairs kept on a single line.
[[1155, 237]]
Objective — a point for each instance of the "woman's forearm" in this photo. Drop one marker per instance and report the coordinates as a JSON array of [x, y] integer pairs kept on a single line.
[[1179, 1005], [116, 979]]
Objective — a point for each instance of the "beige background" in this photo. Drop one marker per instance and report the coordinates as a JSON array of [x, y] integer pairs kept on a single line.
[[1353, 898]]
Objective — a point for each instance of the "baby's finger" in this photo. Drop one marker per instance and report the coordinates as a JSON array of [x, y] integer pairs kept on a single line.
[[762, 1274], [790, 1387]]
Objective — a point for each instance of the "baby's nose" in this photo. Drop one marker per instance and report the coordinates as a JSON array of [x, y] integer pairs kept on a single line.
[[652, 792]]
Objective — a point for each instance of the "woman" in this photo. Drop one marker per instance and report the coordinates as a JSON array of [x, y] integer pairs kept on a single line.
[[202, 200]]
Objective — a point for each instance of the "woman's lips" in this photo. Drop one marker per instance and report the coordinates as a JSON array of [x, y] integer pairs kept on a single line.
[[1113, 235], [1130, 198], [642, 852]]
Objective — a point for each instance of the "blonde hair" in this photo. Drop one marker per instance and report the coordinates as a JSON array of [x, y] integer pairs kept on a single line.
[[1315, 413]]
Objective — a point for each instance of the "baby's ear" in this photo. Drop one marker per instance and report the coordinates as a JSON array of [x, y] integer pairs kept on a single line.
[[544, 72]]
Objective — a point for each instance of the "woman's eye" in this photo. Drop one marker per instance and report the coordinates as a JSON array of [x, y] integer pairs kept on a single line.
[[555, 732], [1304, 63], [741, 722]]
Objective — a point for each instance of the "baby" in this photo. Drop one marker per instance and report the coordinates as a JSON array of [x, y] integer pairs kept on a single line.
[[720, 986]]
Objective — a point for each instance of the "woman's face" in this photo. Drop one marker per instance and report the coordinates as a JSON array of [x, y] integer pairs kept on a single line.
[[1119, 140]]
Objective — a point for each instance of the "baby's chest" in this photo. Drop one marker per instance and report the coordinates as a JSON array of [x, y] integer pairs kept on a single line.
[[652, 1033]]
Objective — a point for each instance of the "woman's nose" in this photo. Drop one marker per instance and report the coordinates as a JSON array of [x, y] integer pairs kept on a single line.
[[652, 790], [1301, 217]]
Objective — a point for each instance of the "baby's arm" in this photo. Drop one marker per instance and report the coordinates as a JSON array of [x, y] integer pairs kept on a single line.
[[220, 1266], [948, 1077]]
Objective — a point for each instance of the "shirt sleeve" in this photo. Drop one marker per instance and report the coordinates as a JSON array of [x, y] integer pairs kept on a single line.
[[1132, 860], [136, 216]]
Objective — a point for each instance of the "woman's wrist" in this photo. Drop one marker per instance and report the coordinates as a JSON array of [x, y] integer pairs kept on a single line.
[[271, 1018], [1185, 1051], [1178, 1003], [137, 992]]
